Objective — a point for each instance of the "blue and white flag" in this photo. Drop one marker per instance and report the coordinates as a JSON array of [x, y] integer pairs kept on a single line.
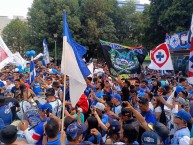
[[46, 59], [32, 71], [73, 65]]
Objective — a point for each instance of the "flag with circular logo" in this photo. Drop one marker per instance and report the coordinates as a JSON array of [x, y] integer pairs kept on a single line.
[[160, 58]]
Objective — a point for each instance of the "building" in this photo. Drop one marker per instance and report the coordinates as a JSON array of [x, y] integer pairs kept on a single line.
[[5, 20], [139, 7]]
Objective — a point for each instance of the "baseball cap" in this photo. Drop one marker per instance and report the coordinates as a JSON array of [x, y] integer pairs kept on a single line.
[[100, 106], [183, 115], [45, 107], [8, 134], [75, 129], [150, 137], [118, 97], [143, 100], [126, 112], [161, 130], [181, 101], [50, 92], [55, 84], [115, 125]]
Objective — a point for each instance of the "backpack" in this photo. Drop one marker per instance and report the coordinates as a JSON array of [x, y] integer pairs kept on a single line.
[[163, 117]]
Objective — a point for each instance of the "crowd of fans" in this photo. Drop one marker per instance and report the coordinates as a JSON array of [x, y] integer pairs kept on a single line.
[[153, 109]]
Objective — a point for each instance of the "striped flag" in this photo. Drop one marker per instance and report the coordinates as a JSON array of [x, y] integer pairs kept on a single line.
[[73, 65], [32, 71], [190, 68], [46, 59]]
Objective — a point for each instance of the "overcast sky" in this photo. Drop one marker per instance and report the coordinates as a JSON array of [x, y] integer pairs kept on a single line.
[[20, 7]]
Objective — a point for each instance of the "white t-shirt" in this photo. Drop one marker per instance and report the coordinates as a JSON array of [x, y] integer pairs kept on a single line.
[[158, 109], [9, 87], [56, 107], [117, 109], [151, 106], [57, 92]]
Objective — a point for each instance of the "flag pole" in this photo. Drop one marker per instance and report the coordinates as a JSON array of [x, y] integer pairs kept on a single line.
[[64, 72]]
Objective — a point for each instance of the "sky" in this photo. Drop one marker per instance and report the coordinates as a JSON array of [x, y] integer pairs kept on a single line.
[[12, 8]]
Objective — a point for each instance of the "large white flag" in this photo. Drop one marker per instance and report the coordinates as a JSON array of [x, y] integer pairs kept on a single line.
[[160, 58], [73, 65]]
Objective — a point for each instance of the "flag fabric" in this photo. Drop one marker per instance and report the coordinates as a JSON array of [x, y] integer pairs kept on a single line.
[[73, 65], [190, 67], [160, 58], [32, 71], [46, 59], [5, 54], [123, 59]]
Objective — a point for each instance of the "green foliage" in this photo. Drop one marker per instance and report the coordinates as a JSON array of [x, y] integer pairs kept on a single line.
[[166, 16], [15, 34]]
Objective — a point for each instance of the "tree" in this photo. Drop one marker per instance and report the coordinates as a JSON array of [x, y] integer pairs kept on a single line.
[[45, 19], [165, 16], [128, 24], [15, 34]]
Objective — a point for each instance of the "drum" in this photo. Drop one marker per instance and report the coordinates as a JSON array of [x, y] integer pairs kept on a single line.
[[25, 106], [32, 116]]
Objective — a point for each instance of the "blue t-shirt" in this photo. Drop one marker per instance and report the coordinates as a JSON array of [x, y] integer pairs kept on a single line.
[[55, 142], [149, 116], [180, 134], [37, 89], [6, 115], [98, 95], [88, 90], [39, 129], [1, 84]]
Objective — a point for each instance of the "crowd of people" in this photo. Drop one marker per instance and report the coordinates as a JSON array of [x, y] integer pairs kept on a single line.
[[153, 109]]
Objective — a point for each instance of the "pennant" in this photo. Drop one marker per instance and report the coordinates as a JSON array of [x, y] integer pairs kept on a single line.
[[73, 65], [160, 58]]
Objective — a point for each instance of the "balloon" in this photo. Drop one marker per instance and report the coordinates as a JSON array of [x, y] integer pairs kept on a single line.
[[28, 53], [16, 69], [20, 70], [33, 53], [54, 71], [19, 67]]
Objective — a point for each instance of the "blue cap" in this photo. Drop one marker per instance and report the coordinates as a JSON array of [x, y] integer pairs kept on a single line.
[[75, 129], [150, 138], [45, 107], [118, 97], [183, 115], [115, 125]]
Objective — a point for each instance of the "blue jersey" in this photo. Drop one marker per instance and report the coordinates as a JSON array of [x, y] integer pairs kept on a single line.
[[149, 116], [6, 115]]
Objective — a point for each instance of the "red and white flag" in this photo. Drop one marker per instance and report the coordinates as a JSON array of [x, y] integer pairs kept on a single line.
[[160, 58], [5, 54], [190, 68]]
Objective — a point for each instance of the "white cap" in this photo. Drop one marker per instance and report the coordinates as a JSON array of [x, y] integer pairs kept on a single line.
[[100, 106], [185, 140]]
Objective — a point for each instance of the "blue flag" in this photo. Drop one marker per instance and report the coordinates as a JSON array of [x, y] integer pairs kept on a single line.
[[78, 49], [73, 65], [46, 59], [32, 71]]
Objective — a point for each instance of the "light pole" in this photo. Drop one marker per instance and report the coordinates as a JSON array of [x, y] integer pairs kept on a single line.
[[55, 36]]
